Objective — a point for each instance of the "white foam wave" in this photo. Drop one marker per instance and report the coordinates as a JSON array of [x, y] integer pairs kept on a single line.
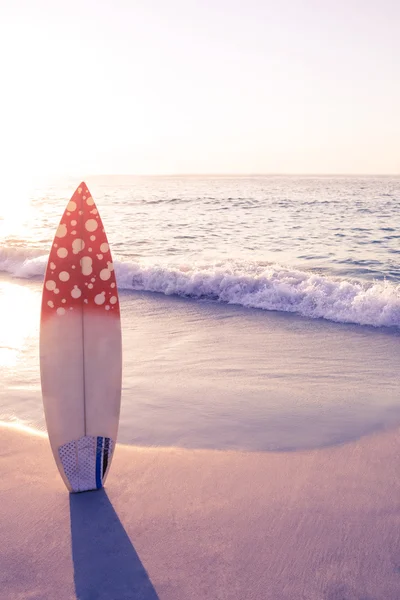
[[255, 285], [21, 262], [273, 287]]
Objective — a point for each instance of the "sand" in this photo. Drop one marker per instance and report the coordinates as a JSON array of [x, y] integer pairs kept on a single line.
[[178, 524]]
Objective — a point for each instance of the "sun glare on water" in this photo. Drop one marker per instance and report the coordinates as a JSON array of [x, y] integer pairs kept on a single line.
[[19, 307], [15, 207], [18, 425]]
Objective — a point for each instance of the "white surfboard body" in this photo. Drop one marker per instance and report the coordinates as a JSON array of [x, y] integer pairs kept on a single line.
[[80, 347]]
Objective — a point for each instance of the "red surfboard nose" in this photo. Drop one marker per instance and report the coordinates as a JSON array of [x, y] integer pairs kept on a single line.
[[80, 271]]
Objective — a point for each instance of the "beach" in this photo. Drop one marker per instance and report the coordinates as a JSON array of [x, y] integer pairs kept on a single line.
[[225, 177], [314, 515], [257, 453]]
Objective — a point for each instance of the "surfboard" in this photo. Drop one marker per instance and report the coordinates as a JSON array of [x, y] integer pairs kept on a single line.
[[80, 347]]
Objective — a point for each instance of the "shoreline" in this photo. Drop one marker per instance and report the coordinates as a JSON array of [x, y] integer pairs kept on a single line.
[[205, 375], [177, 524]]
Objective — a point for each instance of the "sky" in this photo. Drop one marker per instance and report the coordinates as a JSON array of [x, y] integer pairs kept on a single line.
[[199, 86]]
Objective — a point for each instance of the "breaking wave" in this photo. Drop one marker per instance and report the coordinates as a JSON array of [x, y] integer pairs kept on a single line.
[[263, 286]]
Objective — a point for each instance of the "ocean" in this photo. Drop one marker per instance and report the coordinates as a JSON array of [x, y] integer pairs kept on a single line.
[[252, 306]]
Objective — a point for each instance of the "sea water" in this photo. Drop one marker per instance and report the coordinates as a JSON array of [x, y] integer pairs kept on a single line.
[[201, 251]]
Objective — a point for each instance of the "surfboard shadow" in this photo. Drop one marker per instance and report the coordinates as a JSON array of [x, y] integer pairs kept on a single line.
[[106, 565]]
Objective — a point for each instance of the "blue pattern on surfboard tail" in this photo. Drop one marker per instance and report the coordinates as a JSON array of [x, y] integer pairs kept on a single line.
[[85, 462], [99, 456]]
